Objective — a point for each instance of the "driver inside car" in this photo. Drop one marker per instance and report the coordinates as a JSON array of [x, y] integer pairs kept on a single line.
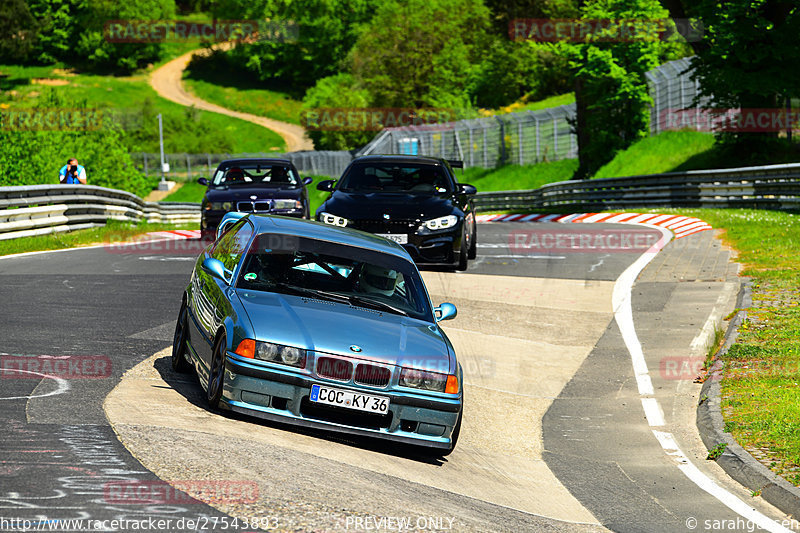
[[377, 280]]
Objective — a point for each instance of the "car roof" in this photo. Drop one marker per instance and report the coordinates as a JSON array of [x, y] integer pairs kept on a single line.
[[324, 232], [254, 160], [399, 158]]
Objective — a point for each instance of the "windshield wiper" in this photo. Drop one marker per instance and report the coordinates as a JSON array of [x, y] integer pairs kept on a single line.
[[311, 293], [376, 304], [351, 299]]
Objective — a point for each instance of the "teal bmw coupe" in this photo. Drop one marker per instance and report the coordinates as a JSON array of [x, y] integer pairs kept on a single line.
[[320, 326]]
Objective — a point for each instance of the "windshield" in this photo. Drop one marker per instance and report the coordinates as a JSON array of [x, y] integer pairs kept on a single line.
[[333, 271], [395, 177], [252, 173]]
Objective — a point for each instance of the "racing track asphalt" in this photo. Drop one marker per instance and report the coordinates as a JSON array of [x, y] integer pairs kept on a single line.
[[554, 438]]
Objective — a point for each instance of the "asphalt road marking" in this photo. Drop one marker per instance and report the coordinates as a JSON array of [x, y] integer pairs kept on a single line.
[[63, 385], [624, 316], [653, 412], [706, 336]]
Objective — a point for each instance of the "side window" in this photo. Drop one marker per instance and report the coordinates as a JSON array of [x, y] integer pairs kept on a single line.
[[218, 177], [233, 244]]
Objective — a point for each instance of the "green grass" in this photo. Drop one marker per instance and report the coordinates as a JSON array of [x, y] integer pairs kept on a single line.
[[190, 191], [523, 105], [516, 177], [674, 151], [665, 152], [113, 232], [209, 132], [214, 81]]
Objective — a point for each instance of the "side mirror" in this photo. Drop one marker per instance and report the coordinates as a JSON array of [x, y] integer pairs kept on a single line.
[[446, 311], [325, 185], [230, 218], [307, 181], [217, 269], [202, 181], [467, 189]]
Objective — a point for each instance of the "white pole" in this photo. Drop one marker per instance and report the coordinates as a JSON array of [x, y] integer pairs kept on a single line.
[[161, 142]]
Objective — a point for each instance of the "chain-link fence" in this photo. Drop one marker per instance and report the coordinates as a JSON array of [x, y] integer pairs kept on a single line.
[[672, 90], [188, 167], [530, 136], [516, 138]]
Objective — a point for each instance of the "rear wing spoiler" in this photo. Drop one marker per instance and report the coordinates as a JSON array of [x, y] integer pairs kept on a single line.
[[455, 163]]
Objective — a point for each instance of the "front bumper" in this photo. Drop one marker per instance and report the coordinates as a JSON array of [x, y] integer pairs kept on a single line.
[[282, 396], [440, 247]]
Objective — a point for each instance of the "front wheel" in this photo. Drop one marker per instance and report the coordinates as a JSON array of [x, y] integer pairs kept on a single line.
[[454, 436], [216, 373], [179, 363], [463, 255], [473, 243]]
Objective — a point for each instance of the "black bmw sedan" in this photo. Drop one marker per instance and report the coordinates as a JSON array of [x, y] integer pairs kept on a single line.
[[266, 186], [415, 201]]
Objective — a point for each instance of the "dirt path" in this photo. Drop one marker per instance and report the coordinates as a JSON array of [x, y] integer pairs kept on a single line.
[[167, 82]]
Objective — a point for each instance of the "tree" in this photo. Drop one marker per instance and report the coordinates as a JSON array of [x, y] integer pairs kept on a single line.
[[748, 57], [17, 29], [421, 52], [611, 91], [317, 36], [72, 31]]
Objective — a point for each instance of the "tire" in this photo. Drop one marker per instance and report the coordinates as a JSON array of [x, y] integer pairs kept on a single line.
[[473, 244], [179, 362], [463, 255], [216, 373]]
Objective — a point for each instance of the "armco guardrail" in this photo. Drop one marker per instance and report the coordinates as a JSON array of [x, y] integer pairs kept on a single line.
[[767, 187], [40, 209]]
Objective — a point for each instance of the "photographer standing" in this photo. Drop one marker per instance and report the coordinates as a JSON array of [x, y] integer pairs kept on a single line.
[[72, 173]]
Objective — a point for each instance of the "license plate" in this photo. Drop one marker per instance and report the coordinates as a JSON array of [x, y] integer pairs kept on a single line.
[[399, 238], [349, 399]]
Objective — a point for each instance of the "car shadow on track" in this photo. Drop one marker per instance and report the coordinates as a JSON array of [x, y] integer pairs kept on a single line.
[[188, 386]]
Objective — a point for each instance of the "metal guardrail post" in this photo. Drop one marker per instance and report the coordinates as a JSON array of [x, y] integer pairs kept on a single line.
[[503, 158]]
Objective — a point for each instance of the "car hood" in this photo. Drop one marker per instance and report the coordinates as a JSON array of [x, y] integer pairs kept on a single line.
[[357, 206], [332, 327], [241, 193]]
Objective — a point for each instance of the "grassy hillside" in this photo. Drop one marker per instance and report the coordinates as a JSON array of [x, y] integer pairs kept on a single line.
[[674, 151], [185, 130], [665, 152], [516, 177], [215, 81], [523, 105]]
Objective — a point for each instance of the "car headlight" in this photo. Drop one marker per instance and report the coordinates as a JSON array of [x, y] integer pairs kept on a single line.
[[432, 381], [277, 353], [333, 220], [219, 206], [441, 223], [288, 204], [274, 353]]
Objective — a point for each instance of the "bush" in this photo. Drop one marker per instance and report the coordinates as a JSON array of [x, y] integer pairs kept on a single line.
[[511, 69], [183, 131], [35, 157], [339, 91]]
